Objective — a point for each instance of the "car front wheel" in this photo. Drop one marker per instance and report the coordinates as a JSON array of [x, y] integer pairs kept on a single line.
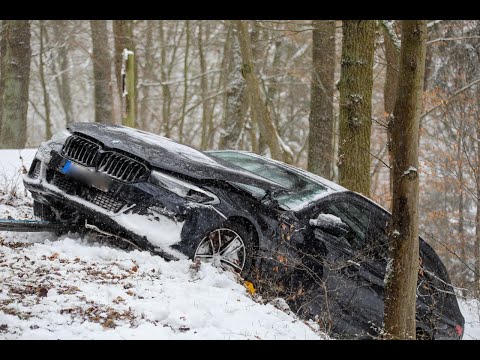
[[229, 247]]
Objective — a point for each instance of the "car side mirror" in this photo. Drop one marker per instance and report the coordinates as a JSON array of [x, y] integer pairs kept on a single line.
[[330, 224]]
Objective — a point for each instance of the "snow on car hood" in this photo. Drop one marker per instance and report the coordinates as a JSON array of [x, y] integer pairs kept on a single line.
[[169, 155]]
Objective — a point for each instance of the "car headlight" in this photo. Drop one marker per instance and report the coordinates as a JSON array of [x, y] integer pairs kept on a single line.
[[183, 188], [61, 136]]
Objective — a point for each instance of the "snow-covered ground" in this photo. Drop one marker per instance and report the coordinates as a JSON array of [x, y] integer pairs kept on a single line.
[[471, 311], [81, 287]]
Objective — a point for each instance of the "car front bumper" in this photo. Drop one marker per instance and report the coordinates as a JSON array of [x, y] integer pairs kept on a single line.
[[153, 218]]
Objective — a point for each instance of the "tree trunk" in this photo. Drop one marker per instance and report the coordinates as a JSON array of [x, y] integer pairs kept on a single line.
[[476, 248], [204, 90], [102, 74], [260, 113], [356, 81], [185, 80], [123, 39], [46, 98], [392, 55], [235, 100], [461, 200], [15, 79], [149, 68], [402, 269], [321, 121], [166, 94], [63, 80], [3, 44]]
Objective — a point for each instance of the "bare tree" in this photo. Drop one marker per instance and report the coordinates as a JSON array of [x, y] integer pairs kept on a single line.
[[392, 57], [321, 121], [185, 81], [60, 29], [402, 269], [102, 73], [204, 89], [356, 81], [260, 113], [235, 99], [123, 39], [15, 80], [46, 96]]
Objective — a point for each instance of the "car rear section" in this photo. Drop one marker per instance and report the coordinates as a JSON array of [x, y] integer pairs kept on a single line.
[[438, 311]]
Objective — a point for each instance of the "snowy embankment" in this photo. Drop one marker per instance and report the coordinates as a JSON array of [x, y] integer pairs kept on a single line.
[[75, 287]]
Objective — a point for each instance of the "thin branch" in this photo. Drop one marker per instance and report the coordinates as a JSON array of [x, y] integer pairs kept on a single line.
[[459, 91], [452, 39]]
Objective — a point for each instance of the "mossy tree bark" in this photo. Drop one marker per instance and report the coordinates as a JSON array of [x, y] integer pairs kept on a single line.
[[356, 81], [102, 73], [123, 39], [402, 269], [321, 121], [15, 80]]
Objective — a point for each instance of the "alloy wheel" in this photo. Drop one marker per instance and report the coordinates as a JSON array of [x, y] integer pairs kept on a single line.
[[222, 248]]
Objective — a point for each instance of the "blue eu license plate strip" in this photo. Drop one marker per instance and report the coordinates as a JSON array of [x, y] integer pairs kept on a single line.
[[67, 167]]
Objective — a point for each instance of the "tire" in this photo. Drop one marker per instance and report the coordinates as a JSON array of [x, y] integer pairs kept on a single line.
[[232, 236], [43, 212]]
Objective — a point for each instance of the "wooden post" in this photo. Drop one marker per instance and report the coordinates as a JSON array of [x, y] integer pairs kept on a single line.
[[128, 88]]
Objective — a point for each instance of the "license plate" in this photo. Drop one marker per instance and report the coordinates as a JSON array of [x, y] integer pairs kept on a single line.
[[98, 180]]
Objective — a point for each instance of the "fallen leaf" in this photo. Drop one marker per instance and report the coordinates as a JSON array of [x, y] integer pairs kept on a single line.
[[42, 292], [109, 324], [250, 287]]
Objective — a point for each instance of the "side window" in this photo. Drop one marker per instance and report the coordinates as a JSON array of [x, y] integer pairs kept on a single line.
[[357, 218], [378, 238]]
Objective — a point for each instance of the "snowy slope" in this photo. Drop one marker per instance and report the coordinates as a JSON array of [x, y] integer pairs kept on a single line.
[[80, 287], [471, 311]]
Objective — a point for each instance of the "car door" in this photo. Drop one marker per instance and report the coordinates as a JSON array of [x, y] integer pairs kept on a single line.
[[356, 265]]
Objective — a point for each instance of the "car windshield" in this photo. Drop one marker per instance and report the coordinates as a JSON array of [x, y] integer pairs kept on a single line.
[[301, 189]]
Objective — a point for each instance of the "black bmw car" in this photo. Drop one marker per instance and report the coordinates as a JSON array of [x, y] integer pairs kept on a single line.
[[293, 234]]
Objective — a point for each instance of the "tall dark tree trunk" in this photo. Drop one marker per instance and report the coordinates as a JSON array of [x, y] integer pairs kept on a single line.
[[102, 73], [123, 39], [15, 80], [320, 137], [356, 81], [403, 264]]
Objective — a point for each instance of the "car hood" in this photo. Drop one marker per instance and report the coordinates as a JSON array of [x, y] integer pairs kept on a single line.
[[166, 154]]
